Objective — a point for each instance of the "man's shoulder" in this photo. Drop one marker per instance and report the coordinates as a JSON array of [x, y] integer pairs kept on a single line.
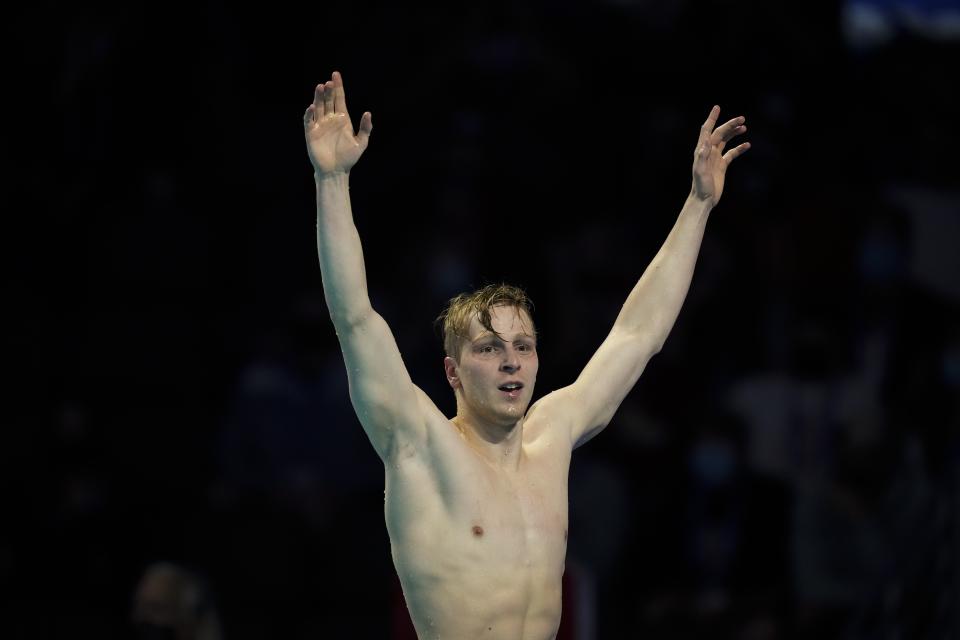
[[548, 419]]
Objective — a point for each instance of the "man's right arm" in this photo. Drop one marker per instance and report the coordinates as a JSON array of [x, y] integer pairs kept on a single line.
[[383, 396]]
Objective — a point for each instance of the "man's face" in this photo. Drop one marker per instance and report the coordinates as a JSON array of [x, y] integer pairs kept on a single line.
[[158, 609], [496, 373]]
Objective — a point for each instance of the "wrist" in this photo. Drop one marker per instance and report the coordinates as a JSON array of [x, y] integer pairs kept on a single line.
[[331, 178], [698, 205]]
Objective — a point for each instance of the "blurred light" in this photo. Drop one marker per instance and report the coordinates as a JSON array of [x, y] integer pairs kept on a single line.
[[868, 24]]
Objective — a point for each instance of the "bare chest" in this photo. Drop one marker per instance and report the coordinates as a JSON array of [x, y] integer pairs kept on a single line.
[[456, 500], [479, 551], [522, 515]]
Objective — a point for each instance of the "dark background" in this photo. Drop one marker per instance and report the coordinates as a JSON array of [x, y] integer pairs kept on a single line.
[[785, 468]]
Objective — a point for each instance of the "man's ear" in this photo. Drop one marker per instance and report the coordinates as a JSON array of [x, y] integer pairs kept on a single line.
[[450, 368]]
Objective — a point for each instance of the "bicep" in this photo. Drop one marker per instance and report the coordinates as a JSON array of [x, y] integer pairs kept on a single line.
[[381, 391], [606, 380]]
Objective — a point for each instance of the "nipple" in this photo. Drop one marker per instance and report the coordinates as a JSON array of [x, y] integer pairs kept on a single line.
[[477, 530]]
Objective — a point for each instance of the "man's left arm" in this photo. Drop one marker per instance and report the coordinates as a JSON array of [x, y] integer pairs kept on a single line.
[[653, 305]]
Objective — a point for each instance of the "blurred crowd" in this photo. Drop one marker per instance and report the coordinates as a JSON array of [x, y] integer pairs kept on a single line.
[[180, 452]]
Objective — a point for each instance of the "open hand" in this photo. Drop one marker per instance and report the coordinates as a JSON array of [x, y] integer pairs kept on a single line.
[[709, 161], [331, 143]]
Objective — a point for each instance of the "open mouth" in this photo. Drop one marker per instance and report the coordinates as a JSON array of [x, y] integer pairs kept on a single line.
[[512, 389]]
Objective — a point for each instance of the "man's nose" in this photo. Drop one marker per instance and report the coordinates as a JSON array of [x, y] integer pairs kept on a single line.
[[511, 361]]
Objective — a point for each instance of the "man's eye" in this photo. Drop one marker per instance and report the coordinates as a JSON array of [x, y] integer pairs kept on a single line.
[[487, 349]]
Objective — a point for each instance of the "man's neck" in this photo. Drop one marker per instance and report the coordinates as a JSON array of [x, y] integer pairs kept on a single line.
[[500, 446]]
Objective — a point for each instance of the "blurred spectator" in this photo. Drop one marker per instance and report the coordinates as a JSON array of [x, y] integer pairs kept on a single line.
[[297, 478], [852, 411], [729, 564], [173, 603], [290, 436]]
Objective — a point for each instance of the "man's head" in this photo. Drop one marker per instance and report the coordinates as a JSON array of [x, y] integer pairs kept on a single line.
[[491, 348], [456, 318], [172, 602]]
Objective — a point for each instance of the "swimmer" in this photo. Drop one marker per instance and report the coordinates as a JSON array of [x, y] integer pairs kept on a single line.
[[476, 505]]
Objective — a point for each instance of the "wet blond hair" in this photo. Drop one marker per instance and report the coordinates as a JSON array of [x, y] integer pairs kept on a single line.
[[455, 319]]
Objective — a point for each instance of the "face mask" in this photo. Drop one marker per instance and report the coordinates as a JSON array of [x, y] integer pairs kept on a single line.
[[880, 258], [951, 366], [712, 463]]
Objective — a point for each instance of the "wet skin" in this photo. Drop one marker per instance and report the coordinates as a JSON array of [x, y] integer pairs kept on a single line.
[[477, 514]]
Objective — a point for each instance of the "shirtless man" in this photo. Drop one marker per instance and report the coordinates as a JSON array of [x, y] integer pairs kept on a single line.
[[476, 505]]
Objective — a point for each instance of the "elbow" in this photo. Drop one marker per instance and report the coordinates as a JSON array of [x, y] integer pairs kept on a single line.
[[350, 320], [655, 339], [647, 342], [657, 347]]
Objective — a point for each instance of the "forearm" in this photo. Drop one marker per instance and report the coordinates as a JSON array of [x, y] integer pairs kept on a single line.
[[654, 304], [340, 252]]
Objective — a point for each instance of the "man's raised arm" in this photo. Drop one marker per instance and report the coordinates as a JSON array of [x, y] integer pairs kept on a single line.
[[382, 393], [652, 307]]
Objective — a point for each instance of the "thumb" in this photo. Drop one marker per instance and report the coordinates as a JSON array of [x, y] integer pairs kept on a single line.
[[366, 126]]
